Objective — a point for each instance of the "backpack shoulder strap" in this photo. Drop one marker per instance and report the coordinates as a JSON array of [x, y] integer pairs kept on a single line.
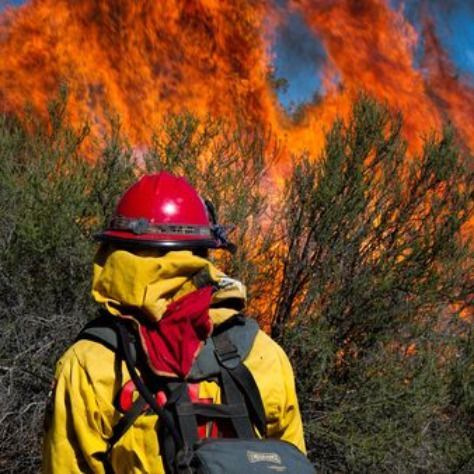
[[225, 350], [230, 360], [240, 330], [103, 330]]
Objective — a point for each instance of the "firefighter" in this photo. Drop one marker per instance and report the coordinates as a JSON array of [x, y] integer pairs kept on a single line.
[[152, 273]]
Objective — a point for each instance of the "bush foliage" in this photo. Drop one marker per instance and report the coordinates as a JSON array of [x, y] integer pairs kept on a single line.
[[375, 275], [361, 272]]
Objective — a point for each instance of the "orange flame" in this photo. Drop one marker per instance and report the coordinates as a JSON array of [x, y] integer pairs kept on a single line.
[[450, 92], [149, 58], [143, 58], [371, 47]]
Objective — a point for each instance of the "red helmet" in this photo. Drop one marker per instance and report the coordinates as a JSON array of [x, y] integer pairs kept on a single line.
[[162, 210]]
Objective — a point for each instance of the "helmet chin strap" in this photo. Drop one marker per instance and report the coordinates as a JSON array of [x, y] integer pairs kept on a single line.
[[219, 231], [211, 210], [220, 234]]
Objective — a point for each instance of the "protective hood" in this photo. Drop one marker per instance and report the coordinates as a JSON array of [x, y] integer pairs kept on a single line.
[[170, 298]]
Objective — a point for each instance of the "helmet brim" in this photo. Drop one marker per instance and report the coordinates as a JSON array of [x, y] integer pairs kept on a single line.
[[144, 241]]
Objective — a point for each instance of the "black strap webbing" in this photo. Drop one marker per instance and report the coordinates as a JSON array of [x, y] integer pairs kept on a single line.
[[234, 410], [229, 359], [245, 381], [181, 403], [242, 405], [165, 416], [126, 421], [241, 421]]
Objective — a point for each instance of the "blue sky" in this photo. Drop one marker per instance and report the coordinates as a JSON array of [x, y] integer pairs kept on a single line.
[[456, 30], [3, 3], [298, 54]]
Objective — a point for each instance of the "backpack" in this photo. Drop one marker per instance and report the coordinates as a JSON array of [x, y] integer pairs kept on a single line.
[[239, 416]]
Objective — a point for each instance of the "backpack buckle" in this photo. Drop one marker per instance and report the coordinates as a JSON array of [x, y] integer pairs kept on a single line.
[[226, 352], [183, 461]]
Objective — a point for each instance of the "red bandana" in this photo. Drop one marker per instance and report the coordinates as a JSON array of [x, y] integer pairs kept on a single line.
[[173, 343]]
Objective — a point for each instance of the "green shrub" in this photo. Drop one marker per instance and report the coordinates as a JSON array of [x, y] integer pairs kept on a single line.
[[373, 269], [58, 186], [51, 200], [361, 270]]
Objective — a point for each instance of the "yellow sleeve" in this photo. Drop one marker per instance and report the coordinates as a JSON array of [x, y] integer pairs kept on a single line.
[[75, 429], [274, 377], [288, 426]]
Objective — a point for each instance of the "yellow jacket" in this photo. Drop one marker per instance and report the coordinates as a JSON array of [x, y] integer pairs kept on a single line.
[[88, 378]]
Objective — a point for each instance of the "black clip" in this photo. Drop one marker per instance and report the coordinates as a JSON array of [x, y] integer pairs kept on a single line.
[[226, 353], [183, 461]]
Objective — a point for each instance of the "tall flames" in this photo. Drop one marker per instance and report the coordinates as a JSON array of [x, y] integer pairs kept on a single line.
[[146, 59]]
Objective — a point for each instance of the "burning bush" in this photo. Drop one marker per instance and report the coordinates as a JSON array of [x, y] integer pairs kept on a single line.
[[359, 272], [375, 277]]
